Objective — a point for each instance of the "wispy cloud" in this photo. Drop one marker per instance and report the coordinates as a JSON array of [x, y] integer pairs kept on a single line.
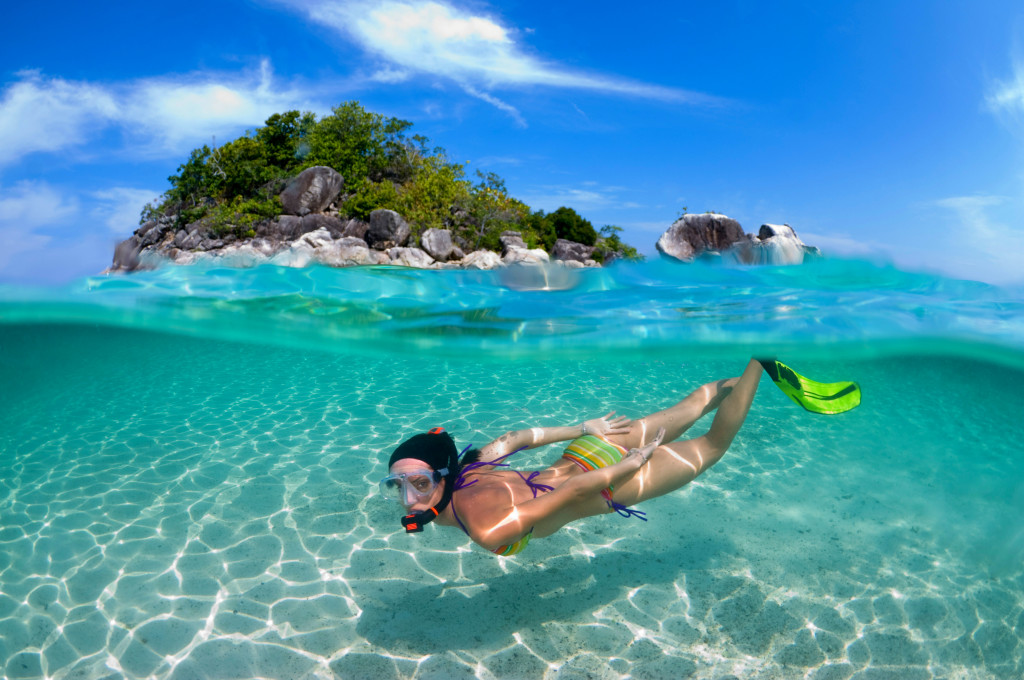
[[1006, 97], [158, 116], [986, 247], [588, 198], [52, 234], [477, 52], [845, 245], [119, 207], [39, 114], [25, 209]]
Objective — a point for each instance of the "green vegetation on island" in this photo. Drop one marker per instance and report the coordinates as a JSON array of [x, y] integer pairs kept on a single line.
[[234, 186]]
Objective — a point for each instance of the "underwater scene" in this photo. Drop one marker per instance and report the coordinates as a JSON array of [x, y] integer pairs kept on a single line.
[[189, 462]]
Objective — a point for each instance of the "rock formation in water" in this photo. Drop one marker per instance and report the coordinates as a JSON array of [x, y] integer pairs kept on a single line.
[[711, 235]]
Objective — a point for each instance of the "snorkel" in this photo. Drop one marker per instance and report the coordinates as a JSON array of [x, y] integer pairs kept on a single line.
[[437, 449]]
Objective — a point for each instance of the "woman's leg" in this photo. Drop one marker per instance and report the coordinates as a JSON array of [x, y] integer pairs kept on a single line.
[[674, 465], [676, 419]]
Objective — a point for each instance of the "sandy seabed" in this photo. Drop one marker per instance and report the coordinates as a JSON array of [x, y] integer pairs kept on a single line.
[[217, 519]]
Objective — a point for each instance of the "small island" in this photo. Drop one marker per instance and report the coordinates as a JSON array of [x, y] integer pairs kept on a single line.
[[352, 188]]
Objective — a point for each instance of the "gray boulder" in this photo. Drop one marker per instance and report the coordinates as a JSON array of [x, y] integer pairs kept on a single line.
[[387, 230], [774, 244], [356, 228], [438, 244], [211, 244], [348, 251], [691, 235], [457, 254], [281, 228], [511, 239], [410, 257], [311, 191], [315, 221], [126, 255], [151, 233], [525, 256], [481, 259], [570, 250], [189, 240]]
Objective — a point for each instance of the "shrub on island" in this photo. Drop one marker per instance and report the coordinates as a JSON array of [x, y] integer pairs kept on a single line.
[[299, 173]]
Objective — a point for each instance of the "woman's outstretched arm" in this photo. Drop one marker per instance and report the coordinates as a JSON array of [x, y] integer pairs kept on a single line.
[[539, 436]]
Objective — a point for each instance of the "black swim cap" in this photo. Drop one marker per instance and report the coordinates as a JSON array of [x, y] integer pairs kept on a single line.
[[435, 448]]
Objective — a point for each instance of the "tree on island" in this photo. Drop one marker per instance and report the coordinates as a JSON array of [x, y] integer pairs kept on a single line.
[[232, 187]]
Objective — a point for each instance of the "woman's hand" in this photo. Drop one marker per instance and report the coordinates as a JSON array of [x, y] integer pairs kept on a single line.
[[644, 453], [603, 426]]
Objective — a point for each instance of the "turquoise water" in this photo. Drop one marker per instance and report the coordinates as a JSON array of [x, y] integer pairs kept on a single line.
[[188, 459]]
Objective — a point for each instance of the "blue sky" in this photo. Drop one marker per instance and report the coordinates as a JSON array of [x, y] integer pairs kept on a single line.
[[890, 130]]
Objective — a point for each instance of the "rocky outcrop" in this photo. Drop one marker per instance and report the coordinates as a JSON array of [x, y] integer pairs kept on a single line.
[[387, 230], [571, 251], [311, 191], [126, 255], [691, 235], [774, 244], [709, 234], [311, 231]]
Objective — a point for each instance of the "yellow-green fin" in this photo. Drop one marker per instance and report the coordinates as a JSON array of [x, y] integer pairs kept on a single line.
[[816, 397]]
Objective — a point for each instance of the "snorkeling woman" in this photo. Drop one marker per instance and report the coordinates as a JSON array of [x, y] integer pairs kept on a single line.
[[609, 465]]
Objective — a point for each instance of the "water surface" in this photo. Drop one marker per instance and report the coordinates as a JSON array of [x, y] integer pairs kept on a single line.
[[188, 459]]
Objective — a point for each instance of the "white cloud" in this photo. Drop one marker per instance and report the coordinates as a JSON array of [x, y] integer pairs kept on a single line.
[[1007, 97], [985, 247], [391, 75], [119, 208], [168, 114], [178, 111], [844, 245], [25, 208], [475, 51], [553, 197], [38, 114], [52, 235]]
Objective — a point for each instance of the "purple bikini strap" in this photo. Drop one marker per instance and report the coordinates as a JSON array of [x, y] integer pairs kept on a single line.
[[460, 481]]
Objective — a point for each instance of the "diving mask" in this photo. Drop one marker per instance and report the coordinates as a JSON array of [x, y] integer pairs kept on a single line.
[[415, 486]]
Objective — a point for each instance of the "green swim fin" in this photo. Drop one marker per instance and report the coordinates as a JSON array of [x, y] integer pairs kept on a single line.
[[816, 397]]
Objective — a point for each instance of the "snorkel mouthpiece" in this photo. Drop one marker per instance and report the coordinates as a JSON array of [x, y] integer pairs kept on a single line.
[[414, 523]]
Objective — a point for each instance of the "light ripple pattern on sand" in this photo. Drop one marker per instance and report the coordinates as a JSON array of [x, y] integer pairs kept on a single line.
[[175, 508]]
